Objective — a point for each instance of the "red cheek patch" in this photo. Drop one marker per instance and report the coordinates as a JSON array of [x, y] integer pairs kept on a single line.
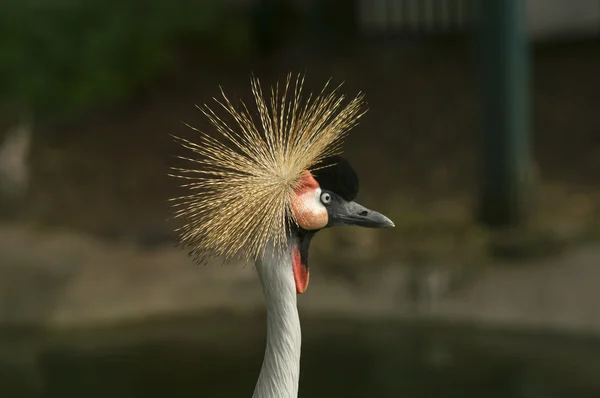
[[307, 182]]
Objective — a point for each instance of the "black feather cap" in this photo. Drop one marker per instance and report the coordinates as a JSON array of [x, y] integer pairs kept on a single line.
[[335, 174]]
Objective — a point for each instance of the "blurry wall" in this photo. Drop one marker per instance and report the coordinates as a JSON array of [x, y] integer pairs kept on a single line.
[[546, 18], [563, 18]]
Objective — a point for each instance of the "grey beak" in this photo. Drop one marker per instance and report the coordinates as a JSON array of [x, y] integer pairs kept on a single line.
[[352, 213]]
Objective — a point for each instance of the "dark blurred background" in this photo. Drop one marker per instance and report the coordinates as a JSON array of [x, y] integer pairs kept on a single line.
[[481, 143]]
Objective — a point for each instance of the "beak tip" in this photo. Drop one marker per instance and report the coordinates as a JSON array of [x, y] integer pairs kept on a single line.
[[385, 222]]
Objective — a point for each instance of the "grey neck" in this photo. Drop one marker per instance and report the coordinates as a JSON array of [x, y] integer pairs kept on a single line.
[[280, 370]]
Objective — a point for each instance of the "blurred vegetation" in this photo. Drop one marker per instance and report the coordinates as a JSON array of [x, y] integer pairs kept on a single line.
[[58, 57], [61, 58]]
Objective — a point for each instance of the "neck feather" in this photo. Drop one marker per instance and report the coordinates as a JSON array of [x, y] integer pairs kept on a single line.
[[280, 370]]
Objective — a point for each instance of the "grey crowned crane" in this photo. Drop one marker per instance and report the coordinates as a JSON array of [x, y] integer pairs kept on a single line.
[[262, 192]]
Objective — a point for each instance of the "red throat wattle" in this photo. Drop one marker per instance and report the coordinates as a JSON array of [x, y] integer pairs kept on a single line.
[[301, 274]]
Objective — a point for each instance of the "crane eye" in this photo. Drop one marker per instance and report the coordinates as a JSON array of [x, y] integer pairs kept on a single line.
[[326, 197]]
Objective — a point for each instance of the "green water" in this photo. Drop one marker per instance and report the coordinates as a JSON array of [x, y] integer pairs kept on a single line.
[[221, 357]]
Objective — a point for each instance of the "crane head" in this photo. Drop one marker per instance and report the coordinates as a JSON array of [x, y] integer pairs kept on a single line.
[[327, 200], [273, 178]]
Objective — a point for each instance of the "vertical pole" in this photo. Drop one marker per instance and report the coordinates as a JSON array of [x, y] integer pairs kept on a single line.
[[505, 81]]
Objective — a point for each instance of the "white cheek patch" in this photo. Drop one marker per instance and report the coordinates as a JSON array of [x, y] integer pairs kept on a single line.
[[312, 202], [309, 211]]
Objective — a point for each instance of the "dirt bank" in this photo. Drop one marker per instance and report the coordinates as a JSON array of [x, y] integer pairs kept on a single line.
[[66, 280]]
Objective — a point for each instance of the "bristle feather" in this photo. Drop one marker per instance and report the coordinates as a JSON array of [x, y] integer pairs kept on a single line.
[[242, 186]]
